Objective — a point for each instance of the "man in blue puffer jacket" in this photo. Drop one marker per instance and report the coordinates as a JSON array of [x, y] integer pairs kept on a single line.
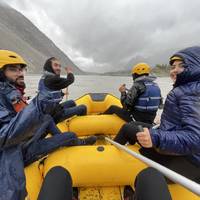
[[176, 143]]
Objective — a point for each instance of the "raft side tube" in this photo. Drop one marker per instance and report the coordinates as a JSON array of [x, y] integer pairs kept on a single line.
[[98, 102], [96, 165]]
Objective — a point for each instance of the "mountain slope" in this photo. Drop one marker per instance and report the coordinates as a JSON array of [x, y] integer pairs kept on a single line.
[[19, 34]]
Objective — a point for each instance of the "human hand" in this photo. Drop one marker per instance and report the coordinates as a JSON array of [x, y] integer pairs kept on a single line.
[[68, 70], [144, 138], [122, 88]]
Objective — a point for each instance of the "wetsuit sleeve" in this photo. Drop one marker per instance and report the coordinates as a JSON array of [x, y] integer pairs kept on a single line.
[[129, 98], [57, 82]]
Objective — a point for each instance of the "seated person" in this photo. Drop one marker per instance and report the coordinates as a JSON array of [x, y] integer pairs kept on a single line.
[[142, 101], [175, 144], [52, 84], [23, 130]]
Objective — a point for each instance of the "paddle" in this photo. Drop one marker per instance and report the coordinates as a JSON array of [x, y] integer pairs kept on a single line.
[[66, 93], [175, 177]]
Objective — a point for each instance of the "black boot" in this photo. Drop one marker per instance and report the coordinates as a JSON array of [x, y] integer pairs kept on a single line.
[[88, 141], [75, 193], [128, 193]]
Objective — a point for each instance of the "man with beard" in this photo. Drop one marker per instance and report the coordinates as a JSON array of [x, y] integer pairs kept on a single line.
[[21, 86], [51, 84], [23, 131]]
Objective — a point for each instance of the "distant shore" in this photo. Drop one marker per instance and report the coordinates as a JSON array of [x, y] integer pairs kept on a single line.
[[158, 70]]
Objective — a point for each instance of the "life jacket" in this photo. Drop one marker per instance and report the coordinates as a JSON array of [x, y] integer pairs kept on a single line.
[[56, 95], [149, 101], [21, 103], [18, 106], [11, 102]]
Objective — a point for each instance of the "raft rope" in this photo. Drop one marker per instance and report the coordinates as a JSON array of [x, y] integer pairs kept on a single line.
[[175, 177]]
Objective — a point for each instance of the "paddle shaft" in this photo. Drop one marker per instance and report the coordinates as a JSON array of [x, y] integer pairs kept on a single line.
[[66, 93], [175, 177]]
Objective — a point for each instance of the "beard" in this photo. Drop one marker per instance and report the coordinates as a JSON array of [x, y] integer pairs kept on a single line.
[[20, 81]]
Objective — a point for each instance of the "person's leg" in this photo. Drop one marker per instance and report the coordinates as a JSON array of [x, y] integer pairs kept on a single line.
[[146, 117], [43, 147], [128, 193], [52, 128], [179, 164], [111, 110], [66, 113], [77, 110], [151, 185], [82, 110], [68, 104], [120, 112], [56, 185], [184, 167], [128, 132]]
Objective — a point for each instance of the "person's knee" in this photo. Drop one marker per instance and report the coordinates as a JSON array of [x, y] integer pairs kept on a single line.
[[82, 109], [57, 185], [124, 129], [71, 103], [68, 104], [147, 183], [60, 174], [127, 129], [69, 135], [147, 175], [65, 139], [112, 108]]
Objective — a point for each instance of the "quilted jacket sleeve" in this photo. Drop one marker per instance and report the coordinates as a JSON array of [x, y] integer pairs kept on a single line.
[[186, 139]]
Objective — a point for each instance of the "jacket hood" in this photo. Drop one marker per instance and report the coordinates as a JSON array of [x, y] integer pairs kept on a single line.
[[47, 73], [191, 59], [47, 66], [2, 76]]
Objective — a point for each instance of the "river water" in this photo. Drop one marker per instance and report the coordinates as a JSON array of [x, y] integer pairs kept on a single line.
[[94, 83]]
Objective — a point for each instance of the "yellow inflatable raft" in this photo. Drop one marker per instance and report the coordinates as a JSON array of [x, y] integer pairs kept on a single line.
[[99, 171]]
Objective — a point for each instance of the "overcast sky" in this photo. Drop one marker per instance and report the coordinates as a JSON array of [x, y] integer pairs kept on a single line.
[[106, 35]]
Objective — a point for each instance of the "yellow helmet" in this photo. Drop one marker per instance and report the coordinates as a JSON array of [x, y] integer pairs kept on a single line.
[[9, 58], [174, 58], [141, 68]]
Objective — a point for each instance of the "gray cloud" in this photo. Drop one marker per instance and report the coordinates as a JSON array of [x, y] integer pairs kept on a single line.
[[109, 35]]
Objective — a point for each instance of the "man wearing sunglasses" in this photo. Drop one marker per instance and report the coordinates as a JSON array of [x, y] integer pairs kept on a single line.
[[51, 84]]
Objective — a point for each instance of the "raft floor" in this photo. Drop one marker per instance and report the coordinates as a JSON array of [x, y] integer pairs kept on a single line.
[[101, 193]]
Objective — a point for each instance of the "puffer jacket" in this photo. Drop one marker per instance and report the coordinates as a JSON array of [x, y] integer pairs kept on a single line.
[[179, 131]]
